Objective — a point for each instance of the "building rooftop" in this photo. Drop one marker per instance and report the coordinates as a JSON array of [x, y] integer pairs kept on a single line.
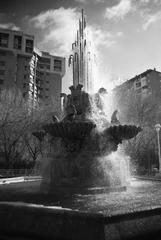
[[130, 81], [141, 75], [19, 32]]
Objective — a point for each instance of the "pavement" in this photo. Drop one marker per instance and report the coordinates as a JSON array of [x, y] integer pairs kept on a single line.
[[140, 193]]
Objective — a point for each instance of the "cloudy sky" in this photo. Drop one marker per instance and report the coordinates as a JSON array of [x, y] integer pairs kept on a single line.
[[126, 33]]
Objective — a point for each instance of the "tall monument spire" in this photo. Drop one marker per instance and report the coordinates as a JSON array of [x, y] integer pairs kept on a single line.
[[81, 58]]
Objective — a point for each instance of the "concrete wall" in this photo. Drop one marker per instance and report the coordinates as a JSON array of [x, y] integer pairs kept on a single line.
[[36, 222], [30, 221]]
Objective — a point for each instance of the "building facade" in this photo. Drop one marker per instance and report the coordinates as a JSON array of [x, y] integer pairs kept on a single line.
[[16, 49], [49, 73], [141, 88], [37, 74]]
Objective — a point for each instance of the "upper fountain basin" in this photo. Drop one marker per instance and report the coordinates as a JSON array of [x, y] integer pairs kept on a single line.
[[69, 130]]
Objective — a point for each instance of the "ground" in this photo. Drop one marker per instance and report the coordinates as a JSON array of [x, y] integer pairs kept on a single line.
[[139, 194]]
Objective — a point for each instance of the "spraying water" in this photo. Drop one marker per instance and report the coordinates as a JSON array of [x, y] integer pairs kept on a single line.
[[116, 164]]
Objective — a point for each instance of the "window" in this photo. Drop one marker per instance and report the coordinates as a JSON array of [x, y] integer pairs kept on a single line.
[[138, 84], [2, 53], [27, 59], [29, 46], [2, 63], [57, 65], [138, 91], [4, 39], [25, 85], [1, 81], [17, 42], [38, 81], [37, 73], [45, 61], [2, 72], [40, 96], [145, 87], [39, 88], [143, 81]]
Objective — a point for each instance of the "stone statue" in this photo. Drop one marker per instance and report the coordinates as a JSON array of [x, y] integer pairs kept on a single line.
[[114, 119]]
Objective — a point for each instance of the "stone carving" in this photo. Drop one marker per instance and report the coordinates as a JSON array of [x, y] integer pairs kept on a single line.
[[114, 119]]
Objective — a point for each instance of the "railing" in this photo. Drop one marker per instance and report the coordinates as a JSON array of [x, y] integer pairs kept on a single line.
[[18, 172]]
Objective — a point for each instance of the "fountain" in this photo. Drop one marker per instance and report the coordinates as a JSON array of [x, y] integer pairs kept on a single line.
[[77, 145], [82, 140]]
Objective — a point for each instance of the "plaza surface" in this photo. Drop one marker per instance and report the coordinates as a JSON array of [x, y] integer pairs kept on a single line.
[[140, 194]]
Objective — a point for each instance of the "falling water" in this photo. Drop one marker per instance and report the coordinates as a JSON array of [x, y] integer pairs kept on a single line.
[[116, 165]]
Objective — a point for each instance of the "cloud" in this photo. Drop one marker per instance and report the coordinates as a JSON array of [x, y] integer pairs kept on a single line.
[[55, 29], [5, 24], [90, 1], [157, 2], [149, 12], [11, 26], [150, 19], [124, 7], [119, 34], [145, 2], [120, 10], [81, 1], [100, 37]]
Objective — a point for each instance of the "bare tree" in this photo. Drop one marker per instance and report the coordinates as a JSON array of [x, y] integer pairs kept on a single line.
[[18, 120], [13, 123], [39, 116]]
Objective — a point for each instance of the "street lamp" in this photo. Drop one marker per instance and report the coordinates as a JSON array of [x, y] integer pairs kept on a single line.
[[157, 128]]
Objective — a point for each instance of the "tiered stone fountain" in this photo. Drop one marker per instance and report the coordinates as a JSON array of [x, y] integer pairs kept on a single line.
[[81, 141], [77, 144]]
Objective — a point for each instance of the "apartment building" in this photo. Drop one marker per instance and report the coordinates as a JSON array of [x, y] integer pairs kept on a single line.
[[37, 74], [16, 49], [142, 87], [49, 73]]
